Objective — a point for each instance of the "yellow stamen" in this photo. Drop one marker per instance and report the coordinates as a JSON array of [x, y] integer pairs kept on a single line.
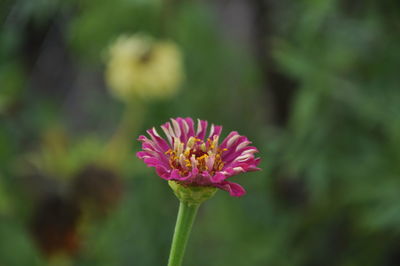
[[202, 157]]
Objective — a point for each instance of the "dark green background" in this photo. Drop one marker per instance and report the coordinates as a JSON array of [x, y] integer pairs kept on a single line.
[[314, 84]]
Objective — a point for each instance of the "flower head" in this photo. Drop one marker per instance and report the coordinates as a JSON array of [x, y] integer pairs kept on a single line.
[[141, 67], [190, 158]]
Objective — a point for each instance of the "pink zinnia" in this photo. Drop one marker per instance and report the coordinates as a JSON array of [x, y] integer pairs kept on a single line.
[[191, 160]]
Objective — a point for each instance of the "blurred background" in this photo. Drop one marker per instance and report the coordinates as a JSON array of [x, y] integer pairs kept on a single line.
[[314, 84]]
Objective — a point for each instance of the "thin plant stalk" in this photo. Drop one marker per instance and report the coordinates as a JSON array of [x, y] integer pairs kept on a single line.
[[186, 216], [118, 146]]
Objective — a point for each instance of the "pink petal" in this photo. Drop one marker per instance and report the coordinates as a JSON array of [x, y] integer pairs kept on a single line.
[[163, 172], [215, 131], [201, 129], [230, 156], [190, 122], [228, 138], [184, 127], [152, 162], [177, 128], [142, 154], [175, 174], [235, 190], [160, 142], [218, 177], [168, 132], [142, 138]]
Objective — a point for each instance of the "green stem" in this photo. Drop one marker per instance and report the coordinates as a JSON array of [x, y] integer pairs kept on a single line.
[[118, 147], [186, 215]]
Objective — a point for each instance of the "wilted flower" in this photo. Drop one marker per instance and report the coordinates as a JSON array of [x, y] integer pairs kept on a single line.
[[192, 160], [140, 67], [98, 188], [55, 226]]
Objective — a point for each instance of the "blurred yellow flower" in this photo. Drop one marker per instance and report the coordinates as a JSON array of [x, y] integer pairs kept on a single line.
[[140, 67]]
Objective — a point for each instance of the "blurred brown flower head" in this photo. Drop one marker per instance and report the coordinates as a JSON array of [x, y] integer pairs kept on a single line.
[[54, 226], [97, 188]]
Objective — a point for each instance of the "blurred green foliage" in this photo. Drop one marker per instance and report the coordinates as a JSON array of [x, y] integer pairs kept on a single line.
[[329, 190]]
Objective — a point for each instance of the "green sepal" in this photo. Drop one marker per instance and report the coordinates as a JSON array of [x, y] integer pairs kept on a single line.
[[192, 195]]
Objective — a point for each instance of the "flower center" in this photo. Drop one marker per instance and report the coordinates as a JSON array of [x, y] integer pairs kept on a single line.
[[203, 155], [146, 56]]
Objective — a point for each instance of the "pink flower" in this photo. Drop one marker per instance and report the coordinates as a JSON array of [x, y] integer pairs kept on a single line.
[[187, 157]]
